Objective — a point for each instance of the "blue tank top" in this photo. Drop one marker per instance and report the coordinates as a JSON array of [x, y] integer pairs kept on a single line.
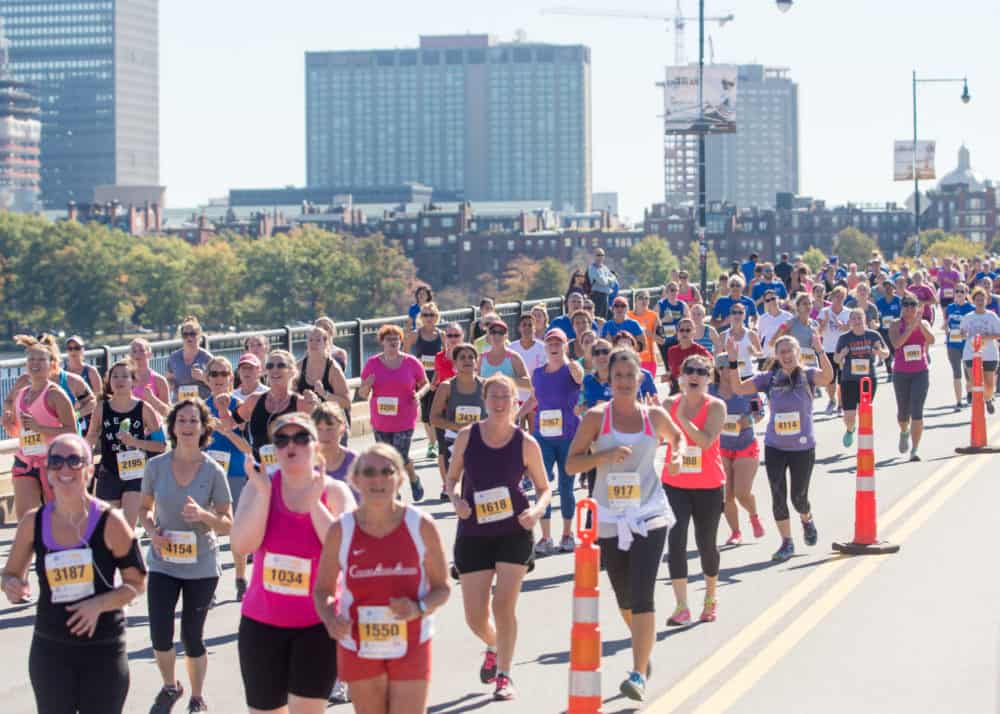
[[706, 341], [487, 370], [737, 405]]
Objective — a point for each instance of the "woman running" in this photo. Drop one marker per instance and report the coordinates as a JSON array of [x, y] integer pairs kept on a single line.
[[911, 336], [498, 358], [421, 296], [382, 575], [540, 316], [458, 402], [855, 354], [391, 382], [424, 343], [124, 426], [150, 386], [493, 545], [694, 488], [337, 354], [78, 661], [186, 366], [671, 309], [248, 377], [801, 328], [81, 398], [833, 321], [287, 660], [982, 323], [790, 442], [331, 423], [739, 451], [705, 335], [747, 341], [619, 439], [258, 346], [957, 308], [88, 373], [186, 506], [686, 292], [580, 349], [320, 373], [686, 346], [649, 321]]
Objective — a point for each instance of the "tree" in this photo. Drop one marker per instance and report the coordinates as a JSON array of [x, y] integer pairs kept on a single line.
[[692, 264], [853, 246], [814, 258], [954, 246], [551, 279], [650, 262], [517, 278], [927, 239]]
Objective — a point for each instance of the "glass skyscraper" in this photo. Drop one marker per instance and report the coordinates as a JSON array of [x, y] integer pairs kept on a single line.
[[464, 114], [94, 67]]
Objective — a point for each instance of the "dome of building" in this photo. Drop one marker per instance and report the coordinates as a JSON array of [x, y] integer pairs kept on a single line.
[[963, 174]]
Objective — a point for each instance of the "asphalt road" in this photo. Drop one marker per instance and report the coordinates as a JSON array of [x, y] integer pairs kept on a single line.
[[917, 631]]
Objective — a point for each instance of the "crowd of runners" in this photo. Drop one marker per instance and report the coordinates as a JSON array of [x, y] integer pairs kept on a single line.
[[125, 483]]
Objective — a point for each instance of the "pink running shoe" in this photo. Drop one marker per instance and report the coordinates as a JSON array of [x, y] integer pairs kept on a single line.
[[488, 672], [735, 539], [680, 618], [758, 528], [708, 613]]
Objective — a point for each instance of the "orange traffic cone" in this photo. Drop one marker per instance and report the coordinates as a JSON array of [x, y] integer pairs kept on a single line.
[[866, 540], [977, 439], [585, 645]]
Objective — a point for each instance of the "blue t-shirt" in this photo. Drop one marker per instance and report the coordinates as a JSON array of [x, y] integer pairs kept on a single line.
[[747, 269], [564, 323], [954, 315], [237, 465], [612, 328], [724, 304], [676, 310], [889, 308], [595, 391], [980, 275], [413, 312], [762, 287]]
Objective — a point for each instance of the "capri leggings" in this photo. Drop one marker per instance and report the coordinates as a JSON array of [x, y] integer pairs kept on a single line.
[[799, 464], [911, 393], [78, 679], [892, 350], [554, 452], [704, 507], [632, 572], [162, 593], [955, 360]]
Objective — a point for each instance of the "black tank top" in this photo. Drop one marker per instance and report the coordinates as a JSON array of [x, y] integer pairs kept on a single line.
[[260, 419], [50, 618], [301, 384], [427, 349], [110, 446]]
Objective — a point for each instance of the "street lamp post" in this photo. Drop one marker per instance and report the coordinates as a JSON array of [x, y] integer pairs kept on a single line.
[[916, 178], [702, 239]]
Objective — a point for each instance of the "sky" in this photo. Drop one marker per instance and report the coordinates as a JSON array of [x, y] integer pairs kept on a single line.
[[232, 85]]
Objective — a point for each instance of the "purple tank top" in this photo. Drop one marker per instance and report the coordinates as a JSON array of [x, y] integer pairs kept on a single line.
[[93, 516], [556, 392], [340, 473], [487, 472]]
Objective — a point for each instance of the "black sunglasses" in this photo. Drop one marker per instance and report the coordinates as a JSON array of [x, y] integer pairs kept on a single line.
[[73, 461], [73, 348], [700, 371], [372, 472], [187, 334], [301, 438], [428, 314], [498, 332], [600, 352], [737, 312], [770, 299], [453, 335], [218, 373], [275, 365], [909, 303]]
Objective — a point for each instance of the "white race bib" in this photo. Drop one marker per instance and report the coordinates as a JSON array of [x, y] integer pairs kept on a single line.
[[131, 464], [691, 460], [787, 423], [428, 362], [955, 335], [286, 574], [70, 574], [381, 635], [32, 443], [913, 353], [623, 490], [182, 548], [809, 358], [731, 427], [859, 367], [550, 423], [387, 406], [493, 505], [467, 414], [188, 391], [269, 458], [670, 330], [947, 293], [221, 458]]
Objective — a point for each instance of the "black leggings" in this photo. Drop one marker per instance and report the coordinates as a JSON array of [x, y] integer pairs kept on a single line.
[[892, 350], [632, 572], [800, 466], [704, 507], [78, 678], [162, 593]]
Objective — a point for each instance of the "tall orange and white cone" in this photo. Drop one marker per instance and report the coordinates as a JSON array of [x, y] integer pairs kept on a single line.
[[866, 540], [585, 645], [977, 437]]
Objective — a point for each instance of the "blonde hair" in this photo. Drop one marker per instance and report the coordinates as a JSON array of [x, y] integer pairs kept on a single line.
[[383, 451], [293, 368], [44, 342], [190, 321]]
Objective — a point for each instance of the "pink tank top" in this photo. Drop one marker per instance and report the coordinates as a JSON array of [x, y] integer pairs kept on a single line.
[[911, 357], [688, 296], [138, 390], [284, 567], [700, 468], [42, 413]]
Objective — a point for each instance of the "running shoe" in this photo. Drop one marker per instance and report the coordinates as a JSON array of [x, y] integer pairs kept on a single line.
[[241, 589], [432, 452], [567, 544], [708, 612], [989, 406], [166, 698], [505, 688], [444, 496], [735, 539], [758, 527], [786, 551], [197, 704], [488, 672], [340, 694], [831, 407], [455, 575], [634, 686], [958, 405], [680, 618], [418, 490], [809, 532], [545, 546], [848, 438], [904, 441], [914, 456]]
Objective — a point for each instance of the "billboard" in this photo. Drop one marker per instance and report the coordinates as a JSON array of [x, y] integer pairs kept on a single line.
[[718, 110], [903, 160]]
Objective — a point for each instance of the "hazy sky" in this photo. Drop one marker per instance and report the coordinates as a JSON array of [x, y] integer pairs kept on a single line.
[[232, 82]]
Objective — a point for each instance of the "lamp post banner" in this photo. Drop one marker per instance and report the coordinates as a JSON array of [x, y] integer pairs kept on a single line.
[[903, 160], [680, 94]]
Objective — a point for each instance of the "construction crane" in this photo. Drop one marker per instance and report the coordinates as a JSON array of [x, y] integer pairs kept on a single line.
[[678, 20]]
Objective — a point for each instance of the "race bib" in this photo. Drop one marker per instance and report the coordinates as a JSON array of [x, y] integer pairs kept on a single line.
[[493, 505], [913, 353], [670, 330], [286, 574], [550, 422], [221, 458], [70, 574], [859, 367], [623, 490], [269, 458], [888, 322], [131, 464], [742, 367], [467, 414], [948, 293], [731, 427], [32, 443], [182, 548], [387, 406], [809, 358], [428, 362], [787, 423], [691, 460], [381, 635], [955, 335], [188, 391]]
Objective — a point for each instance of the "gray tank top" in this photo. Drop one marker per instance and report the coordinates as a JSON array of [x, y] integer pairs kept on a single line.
[[802, 333], [464, 408]]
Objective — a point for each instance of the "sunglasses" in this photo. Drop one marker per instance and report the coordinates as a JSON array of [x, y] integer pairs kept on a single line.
[[619, 306], [498, 332], [218, 373], [187, 334], [909, 304], [275, 365], [771, 299], [73, 348], [301, 438], [685, 329], [453, 335], [737, 312], [700, 371], [372, 472], [428, 314], [73, 461], [600, 352]]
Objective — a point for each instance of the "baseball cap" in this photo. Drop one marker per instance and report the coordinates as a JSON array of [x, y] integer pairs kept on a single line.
[[249, 358], [556, 334], [292, 419], [77, 339], [620, 301]]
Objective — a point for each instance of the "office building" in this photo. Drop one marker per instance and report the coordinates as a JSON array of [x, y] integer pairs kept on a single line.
[[20, 132], [94, 67], [761, 159], [605, 201], [481, 119]]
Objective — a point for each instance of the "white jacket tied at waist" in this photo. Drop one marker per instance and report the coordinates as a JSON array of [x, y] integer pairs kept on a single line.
[[633, 520]]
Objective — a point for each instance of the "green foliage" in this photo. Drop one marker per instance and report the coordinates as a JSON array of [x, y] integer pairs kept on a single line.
[[650, 262], [853, 246], [927, 239], [551, 279], [814, 258], [954, 246], [692, 264]]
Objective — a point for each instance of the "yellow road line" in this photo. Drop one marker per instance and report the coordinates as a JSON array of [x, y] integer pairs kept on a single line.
[[721, 659]]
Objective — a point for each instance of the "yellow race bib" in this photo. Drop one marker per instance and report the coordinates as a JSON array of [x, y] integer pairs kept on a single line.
[[32, 443], [182, 548], [859, 367], [691, 460], [381, 635], [787, 423], [623, 490], [188, 391], [131, 464], [387, 406], [286, 574], [269, 458], [70, 574], [550, 423], [493, 505], [467, 414], [731, 427]]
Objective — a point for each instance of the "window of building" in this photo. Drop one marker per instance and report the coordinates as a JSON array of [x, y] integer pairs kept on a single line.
[[467, 246]]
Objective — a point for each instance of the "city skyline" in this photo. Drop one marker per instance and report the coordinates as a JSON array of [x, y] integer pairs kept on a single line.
[[852, 62]]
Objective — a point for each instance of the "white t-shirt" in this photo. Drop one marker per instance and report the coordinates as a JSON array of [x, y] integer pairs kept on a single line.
[[831, 333], [767, 326], [986, 324], [533, 357]]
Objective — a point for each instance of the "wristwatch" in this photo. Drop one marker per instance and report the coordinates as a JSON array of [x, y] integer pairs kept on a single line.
[[422, 606]]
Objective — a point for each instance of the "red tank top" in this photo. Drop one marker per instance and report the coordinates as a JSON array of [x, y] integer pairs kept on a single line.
[[700, 468]]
